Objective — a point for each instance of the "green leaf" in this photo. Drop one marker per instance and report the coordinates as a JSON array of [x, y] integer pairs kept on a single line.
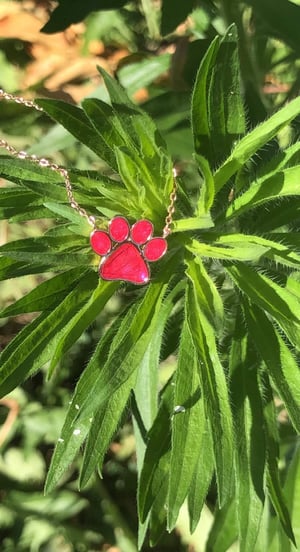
[[13, 269], [24, 172], [103, 427], [139, 74], [255, 140], [146, 388], [106, 123], [280, 215], [193, 223], [140, 128], [272, 438], [288, 157], [207, 293], [243, 247], [73, 435], [201, 478], [218, 116], [212, 376], [131, 349], [155, 472], [250, 451], [44, 244], [68, 213], [207, 190], [292, 493], [188, 423], [54, 252], [283, 183], [151, 16], [82, 319], [45, 295], [225, 528], [13, 201], [266, 294], [104, 374], [242, 251], [78, 124], [280, 361], [34, 345]]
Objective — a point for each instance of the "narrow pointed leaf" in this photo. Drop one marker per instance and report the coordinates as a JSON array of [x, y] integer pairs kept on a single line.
[[243, 247], [155, 472], [250, 456], [201, 478], [273, 476], [207, 190], [188, 422], [140, 128], [280, 361], [82, 319], [224, 531], [213, 381], [45, 295], [104, 374], [283, 183], [9, 268], [255, 140], [34, 345], [146, 391], [292, 493], [69, 442], [78, 124], [266, 294], [218, 116], [103, 426], [193, 223]]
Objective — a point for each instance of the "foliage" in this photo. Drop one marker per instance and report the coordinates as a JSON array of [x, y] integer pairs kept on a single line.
[[223, 305]]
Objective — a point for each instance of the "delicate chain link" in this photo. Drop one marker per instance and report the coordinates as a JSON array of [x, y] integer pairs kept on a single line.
[[171, 206], [19, 100], [45, 163]]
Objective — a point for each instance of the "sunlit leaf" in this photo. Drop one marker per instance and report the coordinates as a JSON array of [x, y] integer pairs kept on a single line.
[[212, 377], [188, 423]]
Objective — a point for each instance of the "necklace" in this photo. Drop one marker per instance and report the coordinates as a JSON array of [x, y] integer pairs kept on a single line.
[[125, 250]]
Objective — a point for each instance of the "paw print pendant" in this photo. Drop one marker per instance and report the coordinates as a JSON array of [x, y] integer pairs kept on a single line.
[[126, 250]]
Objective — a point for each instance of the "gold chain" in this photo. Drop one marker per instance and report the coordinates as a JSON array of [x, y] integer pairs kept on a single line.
[[45, 163], [171, 206]]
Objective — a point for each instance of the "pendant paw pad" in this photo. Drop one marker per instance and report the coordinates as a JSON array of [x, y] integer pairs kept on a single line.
[[125, 250]]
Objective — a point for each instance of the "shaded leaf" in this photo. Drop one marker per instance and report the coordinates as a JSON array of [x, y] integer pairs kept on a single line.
[[45, 295], [280, 361], [272, 439], [283, 183], [266, 294], [218, 116]]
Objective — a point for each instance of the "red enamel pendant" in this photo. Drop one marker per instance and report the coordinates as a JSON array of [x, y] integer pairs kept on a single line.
[[126, 250]]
